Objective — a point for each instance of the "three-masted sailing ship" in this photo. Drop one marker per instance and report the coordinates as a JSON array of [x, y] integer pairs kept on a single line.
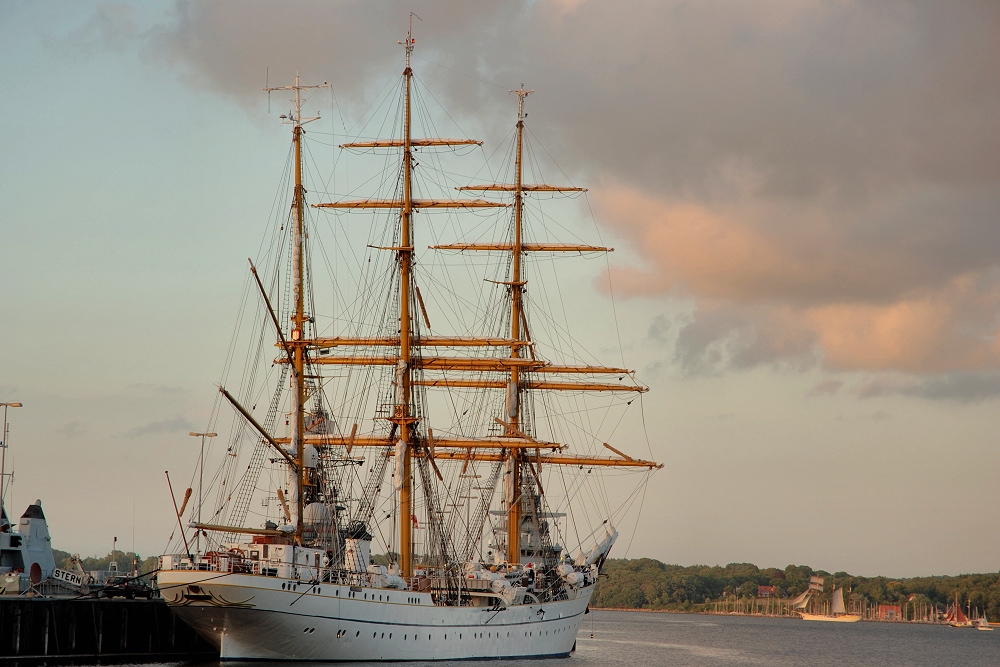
[[498, 580]]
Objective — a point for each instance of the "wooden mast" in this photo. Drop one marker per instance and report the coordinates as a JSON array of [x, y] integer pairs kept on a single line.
[[513, 389], [405, 390], [403, 415], [298, 347], [298, 342], [516, 364]]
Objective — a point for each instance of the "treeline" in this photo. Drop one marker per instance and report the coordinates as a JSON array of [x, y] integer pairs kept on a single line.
[[644, 583], [94, 563]]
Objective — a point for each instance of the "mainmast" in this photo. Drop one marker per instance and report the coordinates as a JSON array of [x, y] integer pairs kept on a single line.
[[513, 389], [297, 342], [403, 415], [405, 389], [405, 434]]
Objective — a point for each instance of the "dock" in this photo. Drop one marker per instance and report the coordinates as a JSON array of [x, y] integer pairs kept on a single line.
[[89, 631]]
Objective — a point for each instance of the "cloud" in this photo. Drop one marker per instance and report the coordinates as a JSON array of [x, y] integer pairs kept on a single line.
[[722, 336], [826, 388], [960, 387], [822, 179], [112, 26], [74, 429], [767, 293], [175, 425], [950, 328]]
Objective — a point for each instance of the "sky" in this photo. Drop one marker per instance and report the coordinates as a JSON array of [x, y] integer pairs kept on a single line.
[[804, 199]]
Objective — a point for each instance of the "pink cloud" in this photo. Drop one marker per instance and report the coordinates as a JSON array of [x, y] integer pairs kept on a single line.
[[769, 291]]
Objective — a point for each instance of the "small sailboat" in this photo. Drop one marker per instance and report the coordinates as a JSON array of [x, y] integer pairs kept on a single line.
[[982, 623], [957, 618]]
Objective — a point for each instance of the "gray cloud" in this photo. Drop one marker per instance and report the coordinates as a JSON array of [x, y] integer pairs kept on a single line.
[[74, 429], [826, 388], [661, 330], [175, 425], [723, 337], [112, 27], [818, 169], [958, 387]]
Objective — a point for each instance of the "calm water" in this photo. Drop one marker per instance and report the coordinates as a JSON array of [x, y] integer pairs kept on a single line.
[[650, 640]]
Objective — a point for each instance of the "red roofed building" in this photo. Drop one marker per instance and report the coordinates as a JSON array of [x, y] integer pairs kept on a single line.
[[889, 612]]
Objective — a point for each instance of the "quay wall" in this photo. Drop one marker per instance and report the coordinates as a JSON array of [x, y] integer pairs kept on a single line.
[[89, 631]]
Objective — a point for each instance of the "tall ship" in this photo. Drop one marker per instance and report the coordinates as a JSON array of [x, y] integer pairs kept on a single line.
[[487, 538], [837, 610]]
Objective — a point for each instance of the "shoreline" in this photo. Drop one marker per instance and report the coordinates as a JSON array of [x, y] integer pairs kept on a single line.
[[712, 613]]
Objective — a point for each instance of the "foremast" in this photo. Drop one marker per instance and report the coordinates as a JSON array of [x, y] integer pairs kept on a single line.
[[296, 344]]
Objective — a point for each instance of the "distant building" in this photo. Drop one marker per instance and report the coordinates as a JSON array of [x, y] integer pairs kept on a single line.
[[889, 612], [766, 591]]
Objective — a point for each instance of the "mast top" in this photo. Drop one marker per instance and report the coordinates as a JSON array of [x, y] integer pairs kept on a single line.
[[295, 117], [521, 94], [409, 40]]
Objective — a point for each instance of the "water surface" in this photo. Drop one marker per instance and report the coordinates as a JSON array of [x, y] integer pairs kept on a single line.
[[654, 640]]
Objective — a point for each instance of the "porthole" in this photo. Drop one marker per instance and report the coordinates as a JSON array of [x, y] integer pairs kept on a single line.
[[383, 635], [404, 637], [390, 635]]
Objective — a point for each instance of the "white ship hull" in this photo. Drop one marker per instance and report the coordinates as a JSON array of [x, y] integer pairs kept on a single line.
[[251, 617]]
